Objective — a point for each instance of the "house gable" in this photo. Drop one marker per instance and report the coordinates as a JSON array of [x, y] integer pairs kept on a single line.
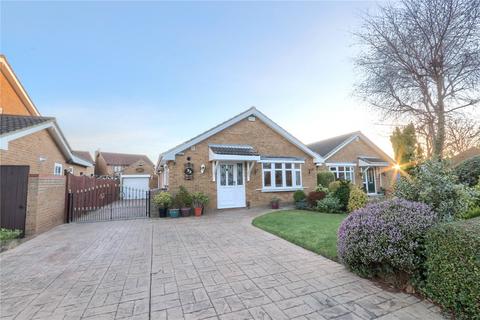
[[14, 98], [251, 113], [356, 148]]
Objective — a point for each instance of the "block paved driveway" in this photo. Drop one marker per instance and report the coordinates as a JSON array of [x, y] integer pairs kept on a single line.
[[214, 267]]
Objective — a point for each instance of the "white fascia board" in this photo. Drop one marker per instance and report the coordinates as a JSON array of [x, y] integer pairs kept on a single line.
[[363, 163], [52, 127], [332, 164], [229, 157], [170, 154], [123, 176]]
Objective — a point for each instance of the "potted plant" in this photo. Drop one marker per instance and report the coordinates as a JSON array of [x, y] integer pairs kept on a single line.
[[275, 202], [163, 200], [199, 200], [186, 201], [174, 211]]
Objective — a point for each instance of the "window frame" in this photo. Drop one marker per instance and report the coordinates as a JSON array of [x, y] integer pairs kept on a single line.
[[295, 167], [58, 166], [336, 172]]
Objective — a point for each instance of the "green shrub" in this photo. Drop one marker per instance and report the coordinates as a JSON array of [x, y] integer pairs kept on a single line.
[[333, 186], [343, 194], [330, 204], [7, 234], [301, 205], [163, 199], [452, 276], [183, 198], [468, 171], [433, 183], [358, 199], [299, 195], [320, 188], [324, 178], [470, 213], [199, 199]]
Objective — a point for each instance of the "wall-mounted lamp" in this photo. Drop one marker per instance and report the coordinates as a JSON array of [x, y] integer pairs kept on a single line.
[[203, 167], [42, 159]]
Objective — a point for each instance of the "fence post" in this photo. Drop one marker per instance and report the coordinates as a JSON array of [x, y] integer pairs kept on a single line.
[[149, 194]]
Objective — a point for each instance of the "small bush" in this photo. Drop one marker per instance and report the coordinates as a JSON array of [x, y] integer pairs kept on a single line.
[[329, 204], [435, 184], [184, 198], [324, 178], [315, 196], [8, 234], [163, 199], [343, 194], [299, 195], [333, 186], [453, 267], [385, 239], [470, 213], [321, 188], [468, 171], [358, 199]]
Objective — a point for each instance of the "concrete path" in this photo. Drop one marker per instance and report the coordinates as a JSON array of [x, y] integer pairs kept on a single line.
[[214, 267]]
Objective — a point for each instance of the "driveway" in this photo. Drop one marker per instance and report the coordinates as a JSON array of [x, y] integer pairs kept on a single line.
[[214, 267]]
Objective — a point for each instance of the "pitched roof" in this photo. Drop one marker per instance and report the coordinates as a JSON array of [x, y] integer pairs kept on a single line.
[[13, 127], [324, 147], [171, 153], [85, 155], [327, 148], [11, 123], [123, 159]]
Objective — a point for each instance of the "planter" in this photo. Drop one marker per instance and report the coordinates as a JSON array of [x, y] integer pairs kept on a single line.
[[162, 212], [275, 205], [174, 213], [198, 211], [185, 212]]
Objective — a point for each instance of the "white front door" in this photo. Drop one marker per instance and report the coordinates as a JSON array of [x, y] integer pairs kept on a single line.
[[230, 185]]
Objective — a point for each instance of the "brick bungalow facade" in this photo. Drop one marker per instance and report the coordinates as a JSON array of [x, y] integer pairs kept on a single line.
[[246, 160], [356, 158]]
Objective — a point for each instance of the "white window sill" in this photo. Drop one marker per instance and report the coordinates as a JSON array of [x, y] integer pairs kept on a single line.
[[280, 189]]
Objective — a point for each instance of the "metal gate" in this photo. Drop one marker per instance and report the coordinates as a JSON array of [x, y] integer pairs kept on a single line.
[[103, 204], [13, 196]]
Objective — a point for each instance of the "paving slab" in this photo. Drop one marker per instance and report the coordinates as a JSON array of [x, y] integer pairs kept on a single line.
[[217, 266]]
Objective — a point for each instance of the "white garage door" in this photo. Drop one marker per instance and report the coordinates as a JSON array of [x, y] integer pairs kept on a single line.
[[135, 186]]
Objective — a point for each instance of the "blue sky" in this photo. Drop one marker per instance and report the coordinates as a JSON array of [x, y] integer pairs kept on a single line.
[[144, 76]]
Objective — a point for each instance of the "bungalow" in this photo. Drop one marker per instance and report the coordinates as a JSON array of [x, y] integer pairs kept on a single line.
[[244, 161], [356, 158]]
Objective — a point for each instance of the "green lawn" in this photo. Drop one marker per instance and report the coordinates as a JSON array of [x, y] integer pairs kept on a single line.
[[311, 230]]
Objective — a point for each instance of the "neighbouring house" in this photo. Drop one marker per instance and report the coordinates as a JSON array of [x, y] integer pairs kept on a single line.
[[356, 158], [135, 171], [34, 156], [244, 161]]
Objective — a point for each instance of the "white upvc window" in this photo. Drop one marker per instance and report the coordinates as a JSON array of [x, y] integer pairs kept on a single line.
[[343, 172], [281, 176], [58, 169]]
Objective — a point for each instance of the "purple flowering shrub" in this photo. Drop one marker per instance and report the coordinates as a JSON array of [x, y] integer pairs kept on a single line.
[[386, 238]]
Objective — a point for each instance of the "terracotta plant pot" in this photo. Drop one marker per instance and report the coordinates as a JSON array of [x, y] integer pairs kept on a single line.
[[174, 213], [198, 211], [185, 212]]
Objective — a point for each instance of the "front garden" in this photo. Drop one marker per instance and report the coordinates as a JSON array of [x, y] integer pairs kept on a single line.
[[423, 238]]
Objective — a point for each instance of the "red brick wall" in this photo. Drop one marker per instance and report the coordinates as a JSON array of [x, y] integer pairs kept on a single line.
[[45, 203], [27, 151]]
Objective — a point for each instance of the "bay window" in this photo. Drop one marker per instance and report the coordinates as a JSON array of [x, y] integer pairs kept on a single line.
[[281, 175], [343, 172]]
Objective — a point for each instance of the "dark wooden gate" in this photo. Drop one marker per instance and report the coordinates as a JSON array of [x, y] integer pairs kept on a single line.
[[13, 196]]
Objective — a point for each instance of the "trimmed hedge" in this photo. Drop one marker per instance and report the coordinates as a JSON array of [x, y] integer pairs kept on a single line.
[[453, 267]]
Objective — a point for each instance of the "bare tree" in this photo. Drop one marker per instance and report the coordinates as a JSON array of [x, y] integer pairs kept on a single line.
[[462, 134], [420, 62]]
